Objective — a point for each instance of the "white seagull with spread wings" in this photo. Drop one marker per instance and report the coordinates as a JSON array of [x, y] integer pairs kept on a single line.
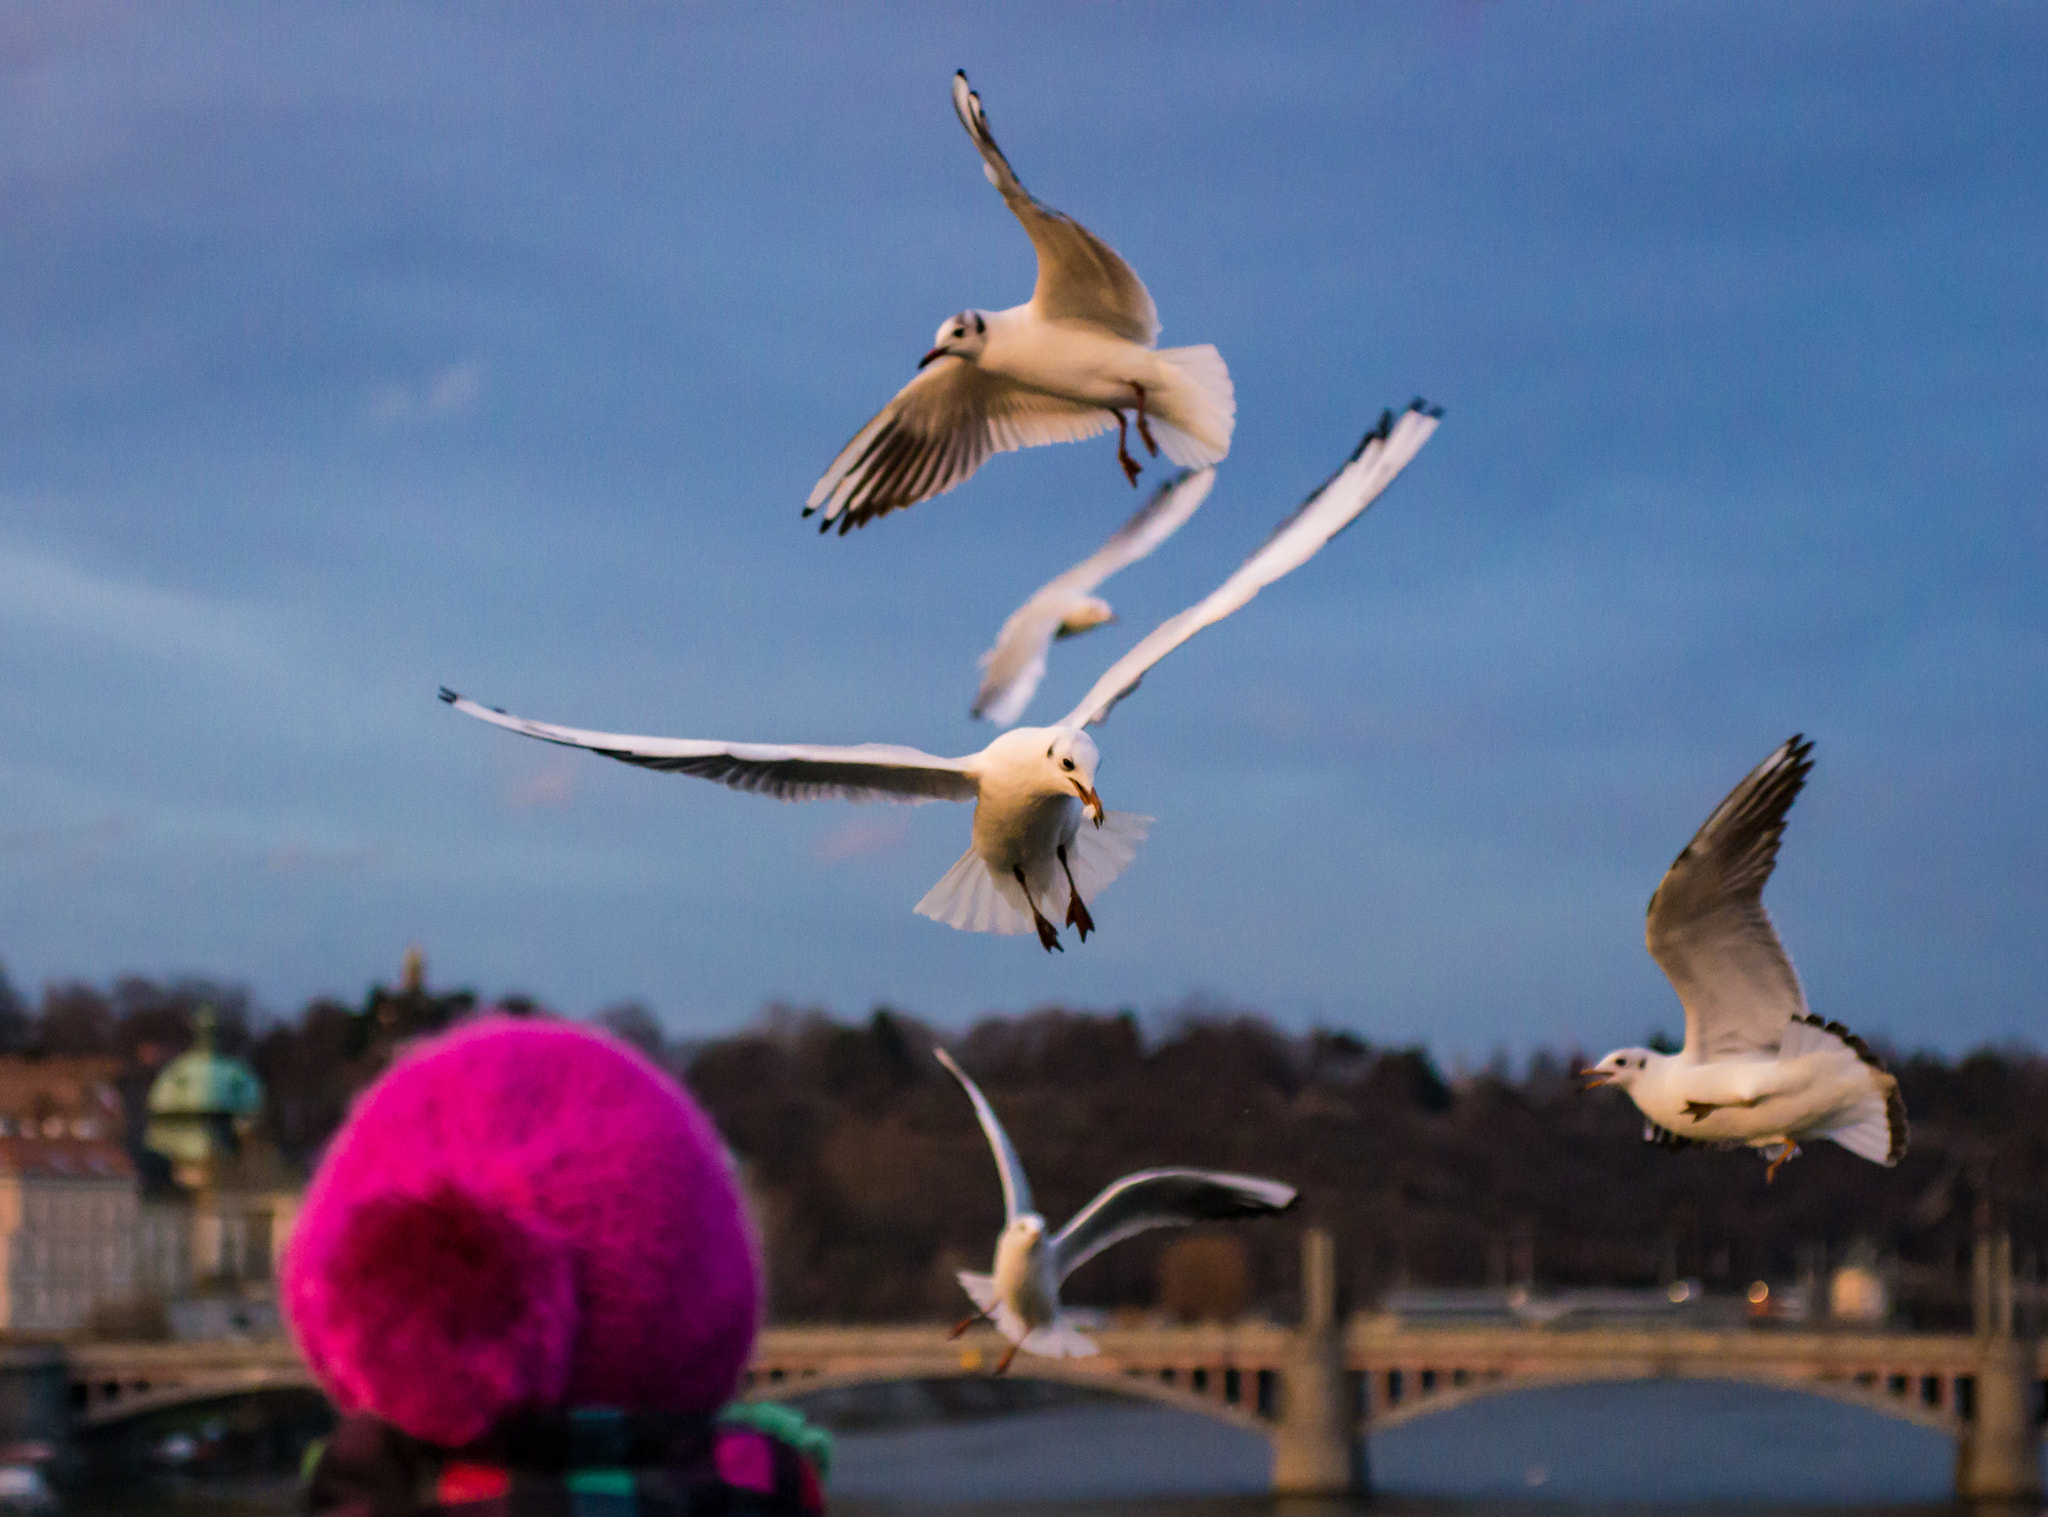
[[1066, 605], [1031, 860], [1758, 1069], [1022, 1296], [1065, 365]]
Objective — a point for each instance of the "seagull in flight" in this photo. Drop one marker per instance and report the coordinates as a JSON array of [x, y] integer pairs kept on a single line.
[[1758, 1069], [1031, 860], [1067, 364], [1065, 606], [1022, 1296]]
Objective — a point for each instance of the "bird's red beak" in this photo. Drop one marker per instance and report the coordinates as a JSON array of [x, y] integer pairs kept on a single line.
[[934, 353], [1590, 1079], [1090, 801]]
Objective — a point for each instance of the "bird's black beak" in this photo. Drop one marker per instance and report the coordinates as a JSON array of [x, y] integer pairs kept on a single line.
[[934, 353], [1090, 801]]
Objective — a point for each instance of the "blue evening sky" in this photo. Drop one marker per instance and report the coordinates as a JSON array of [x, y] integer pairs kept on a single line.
[[348, 350]]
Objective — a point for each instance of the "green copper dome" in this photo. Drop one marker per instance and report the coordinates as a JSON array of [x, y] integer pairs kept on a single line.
[[200, 1106], [201, 1082]]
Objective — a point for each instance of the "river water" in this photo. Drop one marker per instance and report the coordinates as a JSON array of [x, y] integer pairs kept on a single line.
[[1662, 1446]]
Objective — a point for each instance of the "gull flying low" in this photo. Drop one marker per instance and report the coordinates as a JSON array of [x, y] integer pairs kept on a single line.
[[1022, 1296], [1757, 1069]]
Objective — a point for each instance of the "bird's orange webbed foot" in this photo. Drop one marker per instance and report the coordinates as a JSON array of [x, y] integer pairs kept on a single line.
[[1787, 1151]]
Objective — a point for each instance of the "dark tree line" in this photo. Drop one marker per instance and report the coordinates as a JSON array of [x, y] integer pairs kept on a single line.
[[872, 1183]]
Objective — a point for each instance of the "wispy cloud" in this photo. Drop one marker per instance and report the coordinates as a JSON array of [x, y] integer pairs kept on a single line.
[[75, 841], [447, 392], [860, 837], [40, 592], [551, 788]]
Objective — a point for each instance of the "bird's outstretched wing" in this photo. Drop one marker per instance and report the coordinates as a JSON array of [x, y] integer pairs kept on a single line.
[[1162, 1198], [1012, 669], [1381, 454], [1016, 1189], [935, 434], [868, 772], [1080, 277], [1707, 926]]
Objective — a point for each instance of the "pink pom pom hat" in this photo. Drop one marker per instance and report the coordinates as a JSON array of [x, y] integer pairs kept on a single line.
[[523, 1215]]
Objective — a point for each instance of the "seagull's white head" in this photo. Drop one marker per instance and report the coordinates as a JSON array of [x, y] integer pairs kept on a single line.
[[1070, 759], [1086, 614], [1623, 1067], [1027, 1230], [962, 336]]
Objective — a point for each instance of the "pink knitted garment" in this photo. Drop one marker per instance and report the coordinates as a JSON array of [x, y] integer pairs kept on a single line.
[[522, 1214]]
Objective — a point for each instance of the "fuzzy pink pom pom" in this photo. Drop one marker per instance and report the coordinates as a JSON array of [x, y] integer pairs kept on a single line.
[[522, 1214]]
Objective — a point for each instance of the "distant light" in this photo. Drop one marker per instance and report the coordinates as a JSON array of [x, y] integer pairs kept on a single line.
[[1678, 1291], [1759, 1293]]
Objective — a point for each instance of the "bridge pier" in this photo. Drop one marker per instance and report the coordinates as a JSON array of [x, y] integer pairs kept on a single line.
[[1317, 1450], [1998, 1451], [35, 1403]]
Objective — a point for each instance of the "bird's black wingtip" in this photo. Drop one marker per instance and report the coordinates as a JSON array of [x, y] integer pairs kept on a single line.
[[1422, 407], [449, 695]]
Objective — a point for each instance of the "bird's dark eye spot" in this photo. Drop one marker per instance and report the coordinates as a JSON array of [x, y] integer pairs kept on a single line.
[[1066, 763]]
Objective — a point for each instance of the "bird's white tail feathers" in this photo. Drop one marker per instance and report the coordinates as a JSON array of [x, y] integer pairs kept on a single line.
[[1194, 418], [1868, 1131], [1097, 856], [1874, 1126], [1057, 1340], [972, 899], [981, 1290]]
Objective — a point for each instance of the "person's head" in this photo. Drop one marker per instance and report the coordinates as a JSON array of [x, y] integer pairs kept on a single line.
[[522, 1215]]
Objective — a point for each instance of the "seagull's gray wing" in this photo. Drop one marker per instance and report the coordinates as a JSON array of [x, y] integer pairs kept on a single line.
[[1383, 453], [1162, 1198], [1707, 926], [935, 434], [1016, 1189], [1080, 277], [867, 772], [1012, 669]]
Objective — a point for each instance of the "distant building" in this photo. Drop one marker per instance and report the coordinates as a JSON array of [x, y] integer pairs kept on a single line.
[[85, 1245], [70, 1199], [235, 1199]]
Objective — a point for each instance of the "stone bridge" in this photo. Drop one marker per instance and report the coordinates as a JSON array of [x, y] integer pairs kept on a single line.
[[1317, 1390]]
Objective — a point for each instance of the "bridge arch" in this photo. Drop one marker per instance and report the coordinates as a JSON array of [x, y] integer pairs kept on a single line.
[[110, 1402], [1389, 1407], [1128, 1385]]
